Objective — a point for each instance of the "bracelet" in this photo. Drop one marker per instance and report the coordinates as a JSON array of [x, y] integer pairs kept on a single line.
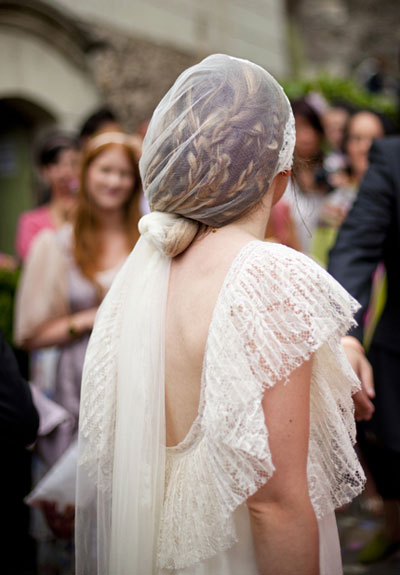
[[353, 342], [73, 332]]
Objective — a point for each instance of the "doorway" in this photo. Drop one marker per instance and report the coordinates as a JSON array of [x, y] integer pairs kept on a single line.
[[21, 121]]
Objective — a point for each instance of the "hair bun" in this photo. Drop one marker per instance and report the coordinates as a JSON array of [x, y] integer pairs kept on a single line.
[[170, 233]]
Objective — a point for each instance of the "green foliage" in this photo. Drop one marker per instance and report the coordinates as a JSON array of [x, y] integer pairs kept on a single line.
[[341, 90], [8, 285]]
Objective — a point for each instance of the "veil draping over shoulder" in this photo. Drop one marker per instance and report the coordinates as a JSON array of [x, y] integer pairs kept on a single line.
[[214, 144]]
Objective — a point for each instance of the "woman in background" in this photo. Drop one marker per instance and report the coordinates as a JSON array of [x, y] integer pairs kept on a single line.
[[362, 129], [58, 163], [306, 196], [69, 270], [66, 275]]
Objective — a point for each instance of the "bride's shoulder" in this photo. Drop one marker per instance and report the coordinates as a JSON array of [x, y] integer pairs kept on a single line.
[[273, 272], [271, 258]]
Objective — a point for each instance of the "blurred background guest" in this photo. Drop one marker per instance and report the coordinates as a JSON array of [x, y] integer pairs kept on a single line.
[[67, 273], [306, 196], [101, 120], [310, 138], [19, 423], [105, 120], [69, 270], [362, 128], [58, 163], [335, 119]]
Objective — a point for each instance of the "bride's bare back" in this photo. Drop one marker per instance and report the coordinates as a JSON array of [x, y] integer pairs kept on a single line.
[[195, 281]]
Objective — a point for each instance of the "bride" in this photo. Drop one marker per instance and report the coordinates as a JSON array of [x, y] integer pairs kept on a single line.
[[216, 423]]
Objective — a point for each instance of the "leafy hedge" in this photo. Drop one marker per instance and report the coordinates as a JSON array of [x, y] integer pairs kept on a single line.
[[8, 285], [341, 90]]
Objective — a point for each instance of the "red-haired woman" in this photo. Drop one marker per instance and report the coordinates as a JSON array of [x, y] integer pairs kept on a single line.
[[69, 270]]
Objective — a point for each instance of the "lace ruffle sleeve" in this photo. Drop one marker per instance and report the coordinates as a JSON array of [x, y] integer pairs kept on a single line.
[[275, 309]]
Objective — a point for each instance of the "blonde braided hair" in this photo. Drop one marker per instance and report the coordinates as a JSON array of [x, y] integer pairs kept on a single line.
[[212, 148]]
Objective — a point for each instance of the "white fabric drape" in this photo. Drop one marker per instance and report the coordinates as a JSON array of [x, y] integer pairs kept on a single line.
[[122, 432], [139, 513]]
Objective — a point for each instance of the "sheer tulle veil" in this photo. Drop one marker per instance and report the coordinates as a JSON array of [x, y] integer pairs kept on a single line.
[[214, 144]]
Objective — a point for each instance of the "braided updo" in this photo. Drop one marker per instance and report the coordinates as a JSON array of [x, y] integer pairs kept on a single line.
[[214, 145]]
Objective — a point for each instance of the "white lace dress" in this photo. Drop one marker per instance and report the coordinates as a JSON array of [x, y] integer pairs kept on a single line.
[[275, 309]]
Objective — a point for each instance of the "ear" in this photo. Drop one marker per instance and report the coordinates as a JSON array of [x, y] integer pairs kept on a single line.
[[279, 185]]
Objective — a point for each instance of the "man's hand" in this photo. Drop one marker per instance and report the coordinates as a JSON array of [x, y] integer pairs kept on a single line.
[[363, 406]]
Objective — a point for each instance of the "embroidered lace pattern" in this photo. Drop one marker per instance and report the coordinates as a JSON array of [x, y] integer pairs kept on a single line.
[[276, 308], [98, 409]]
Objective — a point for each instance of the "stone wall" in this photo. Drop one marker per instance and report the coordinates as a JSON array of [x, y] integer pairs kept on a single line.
[[129, 52], [337, 35], [132, 74]]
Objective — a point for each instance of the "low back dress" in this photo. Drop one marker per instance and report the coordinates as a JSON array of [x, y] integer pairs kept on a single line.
[[276, 309]]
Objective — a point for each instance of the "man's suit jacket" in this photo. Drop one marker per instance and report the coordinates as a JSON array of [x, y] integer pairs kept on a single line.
[[19, 423], [371, 234], [19, 420]]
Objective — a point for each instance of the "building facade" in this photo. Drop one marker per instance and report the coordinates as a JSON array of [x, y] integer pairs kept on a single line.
[[62, 59]]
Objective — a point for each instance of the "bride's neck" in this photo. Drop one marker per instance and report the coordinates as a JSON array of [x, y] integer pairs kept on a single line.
[[255, 223]]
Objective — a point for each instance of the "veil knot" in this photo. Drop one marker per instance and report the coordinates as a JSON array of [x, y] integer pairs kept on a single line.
[[170, 233]]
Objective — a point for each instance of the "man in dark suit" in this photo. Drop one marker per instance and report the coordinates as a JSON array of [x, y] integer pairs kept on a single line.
[[370, 235], [19, 423]]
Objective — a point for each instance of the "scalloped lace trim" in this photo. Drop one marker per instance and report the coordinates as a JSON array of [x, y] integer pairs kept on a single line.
[[285, 159]]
